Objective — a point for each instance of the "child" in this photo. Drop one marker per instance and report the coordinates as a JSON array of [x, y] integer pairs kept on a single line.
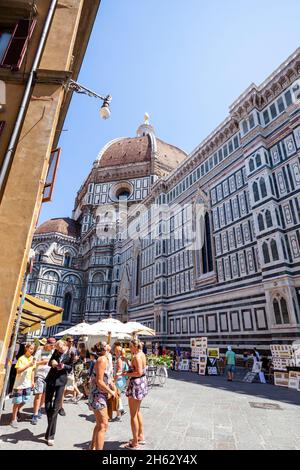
[[24, 382]]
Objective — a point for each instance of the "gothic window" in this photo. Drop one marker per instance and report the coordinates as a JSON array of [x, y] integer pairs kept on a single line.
[[274, 250], [67, 260], [269, 218], [258, 160], [207, 261], [40, 256], [251, 165], [281, 311], [67, 306], [283, 249], [261, 224], [263, 187], [255, 192], [266, 254]]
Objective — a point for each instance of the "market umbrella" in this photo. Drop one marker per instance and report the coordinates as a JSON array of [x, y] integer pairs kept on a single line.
[[76, 330], [110, 327], [134, 328]]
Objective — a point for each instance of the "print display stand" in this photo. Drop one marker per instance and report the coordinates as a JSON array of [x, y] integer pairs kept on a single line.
[[285, 356], [199, 354], [255, 373], [212, 361]]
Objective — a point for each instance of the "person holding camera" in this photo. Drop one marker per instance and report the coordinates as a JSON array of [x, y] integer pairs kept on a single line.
[[61, 364]]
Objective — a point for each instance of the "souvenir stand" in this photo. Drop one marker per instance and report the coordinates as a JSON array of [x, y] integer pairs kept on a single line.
[[204, 359], [286, 364]]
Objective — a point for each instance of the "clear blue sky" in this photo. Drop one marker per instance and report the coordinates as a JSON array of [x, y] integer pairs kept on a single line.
[[184, 62]]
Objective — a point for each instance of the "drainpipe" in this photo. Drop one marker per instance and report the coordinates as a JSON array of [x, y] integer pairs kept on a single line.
[[13, 140]]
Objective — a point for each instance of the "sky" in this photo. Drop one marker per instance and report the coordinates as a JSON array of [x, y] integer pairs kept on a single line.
[[183, 62]]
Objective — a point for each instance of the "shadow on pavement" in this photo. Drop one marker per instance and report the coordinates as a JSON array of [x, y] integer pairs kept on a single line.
[[257, 389], [22, 435], [109, 445], [90, 418]]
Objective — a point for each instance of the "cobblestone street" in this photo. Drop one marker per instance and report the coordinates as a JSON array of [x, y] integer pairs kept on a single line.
[[190, 412]]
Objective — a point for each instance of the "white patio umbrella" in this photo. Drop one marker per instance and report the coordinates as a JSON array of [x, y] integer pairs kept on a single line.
[[135, 328], [110, 327], [76, 330]]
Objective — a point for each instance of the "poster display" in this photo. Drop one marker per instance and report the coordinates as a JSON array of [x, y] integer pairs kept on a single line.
[[199, 342], [184, 365], [212, 368], [213, 352], [281, 379], [202, 365]]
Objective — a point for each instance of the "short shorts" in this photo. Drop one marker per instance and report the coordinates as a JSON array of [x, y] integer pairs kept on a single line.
[[21, 395]]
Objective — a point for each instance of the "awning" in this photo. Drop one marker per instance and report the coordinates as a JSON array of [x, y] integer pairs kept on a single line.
[[35, 311]]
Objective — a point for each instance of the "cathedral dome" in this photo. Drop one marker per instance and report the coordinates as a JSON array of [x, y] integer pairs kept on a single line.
[[144, 149], [65, 226], [125, 151]]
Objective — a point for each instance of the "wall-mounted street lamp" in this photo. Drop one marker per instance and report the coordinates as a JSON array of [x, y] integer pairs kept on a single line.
[[104, 110]]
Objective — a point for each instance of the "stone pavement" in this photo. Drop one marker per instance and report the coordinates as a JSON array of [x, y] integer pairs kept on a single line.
[[190, 412]]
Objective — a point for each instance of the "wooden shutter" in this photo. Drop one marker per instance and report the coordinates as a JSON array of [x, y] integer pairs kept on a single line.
[[17, 46], [51, 175]]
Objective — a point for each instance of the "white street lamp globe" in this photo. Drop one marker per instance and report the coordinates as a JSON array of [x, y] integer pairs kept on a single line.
[[104, 112]]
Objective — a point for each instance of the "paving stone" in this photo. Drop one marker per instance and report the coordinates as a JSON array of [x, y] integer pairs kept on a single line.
[[194, 413]]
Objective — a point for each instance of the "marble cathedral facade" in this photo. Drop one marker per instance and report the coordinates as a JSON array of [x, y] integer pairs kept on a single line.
[[242, 286]]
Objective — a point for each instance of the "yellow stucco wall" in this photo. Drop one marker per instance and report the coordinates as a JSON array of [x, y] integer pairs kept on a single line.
[[21, 202]]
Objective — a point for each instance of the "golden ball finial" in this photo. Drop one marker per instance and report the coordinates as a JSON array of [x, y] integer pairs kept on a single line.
[[146, 118]]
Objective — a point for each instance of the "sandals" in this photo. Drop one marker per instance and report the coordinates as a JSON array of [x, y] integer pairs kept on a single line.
[[142, 442], [129, 445]]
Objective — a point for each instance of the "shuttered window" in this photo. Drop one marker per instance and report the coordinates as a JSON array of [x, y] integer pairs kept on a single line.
[[51, 175], [17, 46]]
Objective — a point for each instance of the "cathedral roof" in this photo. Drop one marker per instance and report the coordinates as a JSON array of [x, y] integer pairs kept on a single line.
[[125, 151], [145, 149], [65, 226]]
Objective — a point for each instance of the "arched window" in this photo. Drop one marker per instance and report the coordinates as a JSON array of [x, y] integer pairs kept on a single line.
[[281, 311], [277, 312], [67, 306], [258, 160], [266, 254], [67, 260], [284, 311], [261, 224], [251, 165], [263, 187], [269, 221], [255, 192], [274, 250], [283, 249], [40, 257], [207, 260]]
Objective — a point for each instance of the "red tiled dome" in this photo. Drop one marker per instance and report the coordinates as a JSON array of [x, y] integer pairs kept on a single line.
[[65, 226]]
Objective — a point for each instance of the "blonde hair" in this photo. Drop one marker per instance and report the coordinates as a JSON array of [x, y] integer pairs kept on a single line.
[[60, 343]]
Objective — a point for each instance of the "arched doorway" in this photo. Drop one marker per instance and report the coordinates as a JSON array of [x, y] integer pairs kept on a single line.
[[123, 311]]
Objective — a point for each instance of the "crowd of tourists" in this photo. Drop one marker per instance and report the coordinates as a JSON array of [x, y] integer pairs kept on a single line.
[[56, 369]]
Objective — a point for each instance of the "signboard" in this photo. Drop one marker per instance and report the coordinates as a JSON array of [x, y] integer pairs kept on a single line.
[[199, 342], [184, 365], [294, 379], [281, 379], [249, 377], [212, 368], [213, 352], [202, 364]]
